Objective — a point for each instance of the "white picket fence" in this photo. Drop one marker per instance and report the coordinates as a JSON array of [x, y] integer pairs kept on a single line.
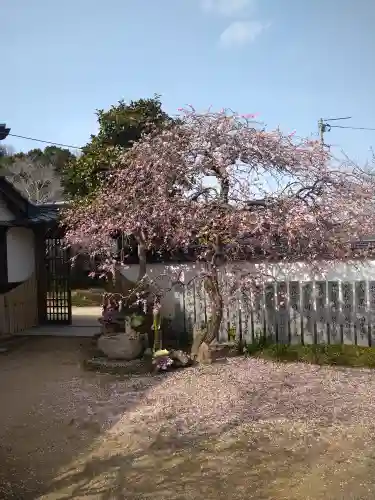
[[323, 312]]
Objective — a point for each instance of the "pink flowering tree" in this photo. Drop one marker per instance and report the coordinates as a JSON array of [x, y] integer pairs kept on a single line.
[[228, 190]]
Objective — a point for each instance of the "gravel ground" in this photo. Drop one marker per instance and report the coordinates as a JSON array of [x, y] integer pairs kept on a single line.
[[242, 429]]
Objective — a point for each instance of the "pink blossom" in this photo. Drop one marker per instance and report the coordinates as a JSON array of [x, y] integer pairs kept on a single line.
[[250, 116], [191, 185]]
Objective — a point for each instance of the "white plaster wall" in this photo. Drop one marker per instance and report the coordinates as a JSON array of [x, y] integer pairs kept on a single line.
[[330, 271], [5, 213], [163, 274], [21, 254]]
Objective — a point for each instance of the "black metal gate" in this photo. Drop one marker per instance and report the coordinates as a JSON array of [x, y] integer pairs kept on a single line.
[[58, 293]]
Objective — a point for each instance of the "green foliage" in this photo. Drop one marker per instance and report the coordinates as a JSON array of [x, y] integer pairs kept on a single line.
[[56, 156], [124, 123], [137, 320], [319, 354], [82, 176], [119, 127], [232, 333]]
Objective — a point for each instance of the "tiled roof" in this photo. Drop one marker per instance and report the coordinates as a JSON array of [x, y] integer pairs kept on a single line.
[[44, 213]]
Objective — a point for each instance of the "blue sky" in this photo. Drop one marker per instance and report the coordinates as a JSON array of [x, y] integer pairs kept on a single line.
[[290, 61]]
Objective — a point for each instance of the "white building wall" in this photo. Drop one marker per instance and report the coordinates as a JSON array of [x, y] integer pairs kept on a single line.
[[325, 271], [21, 254], [162, 274], [5, 213]]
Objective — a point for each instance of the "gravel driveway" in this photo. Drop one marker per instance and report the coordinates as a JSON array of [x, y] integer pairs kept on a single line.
[[243, 429]]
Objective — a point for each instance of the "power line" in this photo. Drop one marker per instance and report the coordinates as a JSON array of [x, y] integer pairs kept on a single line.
[[325, 126], [334, 119], [352, 128], [45, 142]]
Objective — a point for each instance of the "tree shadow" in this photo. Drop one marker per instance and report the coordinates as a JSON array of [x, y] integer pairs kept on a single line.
[[230, 464], [254, 433], [53, 410], [248, 456]]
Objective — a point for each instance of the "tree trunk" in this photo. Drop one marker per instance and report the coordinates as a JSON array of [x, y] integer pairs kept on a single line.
[[213, 290], [156, 315], [135, 288], [213, 326], [124, 286], [141, 256], [202, 339]]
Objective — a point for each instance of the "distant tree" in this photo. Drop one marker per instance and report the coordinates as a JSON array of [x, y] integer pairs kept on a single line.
[[36, 173], [51, 155], [5, 153], [119, 127], [40, 183]]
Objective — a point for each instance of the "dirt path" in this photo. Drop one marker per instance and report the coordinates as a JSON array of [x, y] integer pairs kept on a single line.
[[245, 429], [51, 412]]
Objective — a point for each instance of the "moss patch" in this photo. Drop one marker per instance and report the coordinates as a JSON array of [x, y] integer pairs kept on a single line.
[[339, 355], [119, 367]]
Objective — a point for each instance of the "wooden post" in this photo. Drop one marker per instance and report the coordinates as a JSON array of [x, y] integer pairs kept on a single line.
[[40, 274]]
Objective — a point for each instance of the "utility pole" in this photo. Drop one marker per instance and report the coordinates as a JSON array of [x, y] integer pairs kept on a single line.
[[324, 126], [322, 129], [4, 131]]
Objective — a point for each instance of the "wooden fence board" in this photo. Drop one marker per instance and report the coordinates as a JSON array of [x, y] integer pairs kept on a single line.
[[258, 316], [246, 317], [295, 312], [308, 319], [308, 312], [19, 308], [321, 311], [371, 306], [361, 312], [349, 336], [270, 311], [282, 313]]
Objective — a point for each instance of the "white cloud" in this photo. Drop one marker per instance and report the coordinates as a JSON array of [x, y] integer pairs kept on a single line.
[[241, 32], [227, 7]]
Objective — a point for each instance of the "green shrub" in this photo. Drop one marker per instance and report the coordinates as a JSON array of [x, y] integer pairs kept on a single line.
[[338, 354]]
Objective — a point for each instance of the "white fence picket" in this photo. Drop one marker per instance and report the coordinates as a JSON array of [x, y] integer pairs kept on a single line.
[[289, 312]]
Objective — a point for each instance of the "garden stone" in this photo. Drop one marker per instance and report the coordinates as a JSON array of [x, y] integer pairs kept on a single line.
[[145, 340], [126, 346], [204, 354], [180, 358]]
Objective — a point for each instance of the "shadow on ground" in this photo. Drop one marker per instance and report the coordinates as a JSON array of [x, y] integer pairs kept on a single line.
[[243, 429], [237, 464], [52, 411]]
